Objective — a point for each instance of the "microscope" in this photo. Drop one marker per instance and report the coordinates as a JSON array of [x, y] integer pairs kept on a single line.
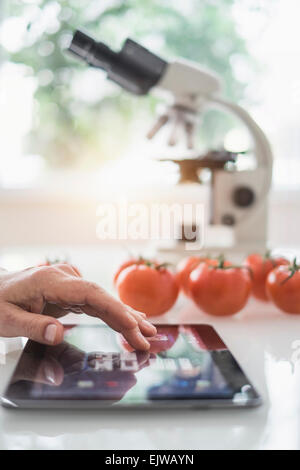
[[238, 197]]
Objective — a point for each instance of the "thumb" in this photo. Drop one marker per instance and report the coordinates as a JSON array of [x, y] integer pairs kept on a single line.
[[43, 329]]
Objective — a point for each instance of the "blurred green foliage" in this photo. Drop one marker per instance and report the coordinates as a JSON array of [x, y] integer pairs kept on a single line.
[[72, 124]]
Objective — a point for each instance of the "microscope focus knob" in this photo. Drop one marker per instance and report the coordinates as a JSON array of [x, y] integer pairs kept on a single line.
[[243, 196]]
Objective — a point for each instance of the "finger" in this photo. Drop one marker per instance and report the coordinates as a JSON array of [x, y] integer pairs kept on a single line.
[[145, 326], [18, 322], [71, 290], [37, 305], [134, 312], [133, 335], [76, 291], [58, 311], [67, 269], [136, 339], [54, 310]]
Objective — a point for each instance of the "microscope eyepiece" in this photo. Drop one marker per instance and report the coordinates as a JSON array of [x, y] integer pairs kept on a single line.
[[94, 53], [134, 68], [81, 44]]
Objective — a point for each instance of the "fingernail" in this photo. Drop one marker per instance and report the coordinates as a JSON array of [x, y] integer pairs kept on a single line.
[[148, 325], [143, 339], [50, 333], [49, 374]]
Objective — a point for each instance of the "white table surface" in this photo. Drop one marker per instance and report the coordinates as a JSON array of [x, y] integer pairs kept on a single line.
[[260, 337]]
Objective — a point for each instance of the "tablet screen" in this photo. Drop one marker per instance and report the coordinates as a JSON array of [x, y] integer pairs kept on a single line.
[[185, 363]]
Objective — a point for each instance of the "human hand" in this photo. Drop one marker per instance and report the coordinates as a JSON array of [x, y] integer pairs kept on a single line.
[[24, 295]]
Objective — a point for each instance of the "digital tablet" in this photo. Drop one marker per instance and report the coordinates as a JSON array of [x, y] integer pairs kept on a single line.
[[187, 366]]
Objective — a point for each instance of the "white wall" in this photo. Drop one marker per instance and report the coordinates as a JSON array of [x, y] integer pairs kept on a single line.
[[36, 218]]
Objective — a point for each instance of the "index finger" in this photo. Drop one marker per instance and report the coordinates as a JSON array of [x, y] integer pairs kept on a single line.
[[76, 291]]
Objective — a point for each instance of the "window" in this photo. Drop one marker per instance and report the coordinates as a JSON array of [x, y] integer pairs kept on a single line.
[[58, 117]]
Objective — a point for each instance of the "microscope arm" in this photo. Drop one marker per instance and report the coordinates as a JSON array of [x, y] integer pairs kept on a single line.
[[262, 150], [261, 143]]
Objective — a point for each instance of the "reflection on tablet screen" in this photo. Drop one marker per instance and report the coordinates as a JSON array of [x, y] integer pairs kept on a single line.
[[95, 363]]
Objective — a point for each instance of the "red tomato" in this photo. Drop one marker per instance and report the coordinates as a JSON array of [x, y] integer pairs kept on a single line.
[[184, 269], [131, 262], [149, 289], [283, 288], [260, 267], [219, 289], [124, 265]]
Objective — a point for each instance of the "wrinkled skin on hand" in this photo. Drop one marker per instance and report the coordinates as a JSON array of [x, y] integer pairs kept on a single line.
[[32, 300]]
